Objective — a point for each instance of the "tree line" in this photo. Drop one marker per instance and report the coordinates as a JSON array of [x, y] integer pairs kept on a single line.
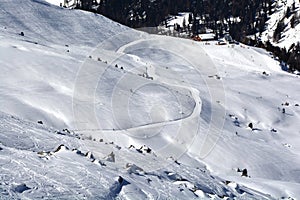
[[247, 16], [238, 17]]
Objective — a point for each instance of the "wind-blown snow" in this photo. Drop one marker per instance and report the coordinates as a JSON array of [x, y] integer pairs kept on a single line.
[[151, 117]]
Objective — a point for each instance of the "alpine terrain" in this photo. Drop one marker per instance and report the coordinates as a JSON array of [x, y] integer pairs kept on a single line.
[[92, 109]]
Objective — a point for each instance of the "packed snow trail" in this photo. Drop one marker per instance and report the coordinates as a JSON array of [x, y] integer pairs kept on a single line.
[[187, 128]]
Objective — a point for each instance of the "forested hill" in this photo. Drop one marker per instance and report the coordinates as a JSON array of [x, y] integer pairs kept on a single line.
[[247, 16], [245, 20]]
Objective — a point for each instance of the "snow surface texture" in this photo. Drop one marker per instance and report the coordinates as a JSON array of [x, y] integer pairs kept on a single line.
[[56, 2], [150, 117]]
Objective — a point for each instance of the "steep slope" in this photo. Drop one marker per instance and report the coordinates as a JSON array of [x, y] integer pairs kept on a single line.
[[53, 41], [37, 165], [190, 103], [289, 34], [42, 22]]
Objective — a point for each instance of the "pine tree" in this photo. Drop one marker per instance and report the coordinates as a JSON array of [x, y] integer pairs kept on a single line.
[[277, 33]]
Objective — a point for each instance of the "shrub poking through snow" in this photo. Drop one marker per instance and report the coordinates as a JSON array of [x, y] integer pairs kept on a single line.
[[90, 155], [250, 125], [66, 130], [245, 172], [61, 147], [131, 147], [273, 130]]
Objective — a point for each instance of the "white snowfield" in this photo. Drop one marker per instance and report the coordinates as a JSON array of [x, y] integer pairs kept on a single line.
[[127, 115]]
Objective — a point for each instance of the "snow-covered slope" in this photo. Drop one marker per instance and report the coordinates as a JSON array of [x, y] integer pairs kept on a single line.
[[174, 112], [56, 2], [290, 35], [41, 24], [35, 165], [55, 40]]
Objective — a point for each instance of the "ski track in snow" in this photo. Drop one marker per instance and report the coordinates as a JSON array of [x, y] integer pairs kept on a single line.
[[197, 143]]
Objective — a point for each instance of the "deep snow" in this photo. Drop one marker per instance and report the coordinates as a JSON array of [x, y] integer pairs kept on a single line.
[[114, 87]]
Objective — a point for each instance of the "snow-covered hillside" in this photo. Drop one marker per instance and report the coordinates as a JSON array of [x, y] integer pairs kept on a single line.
[[135, 116], [290, 35]]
